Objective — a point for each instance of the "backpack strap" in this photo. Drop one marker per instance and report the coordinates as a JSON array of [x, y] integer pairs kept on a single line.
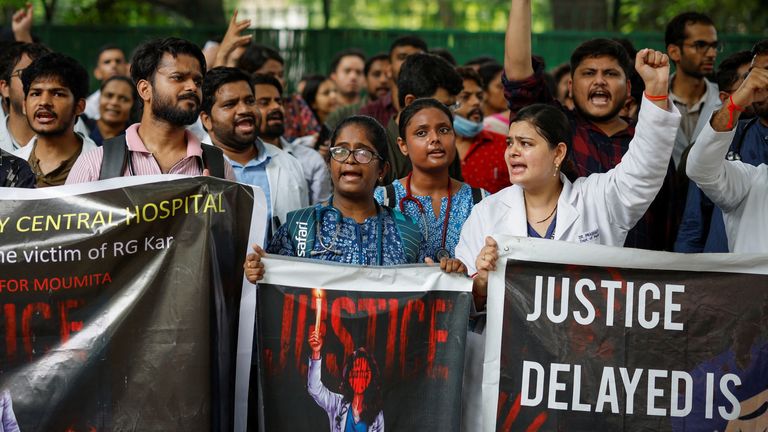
[[301, 228], [410, 235], [115, 157], [389, 196], [213, 159]]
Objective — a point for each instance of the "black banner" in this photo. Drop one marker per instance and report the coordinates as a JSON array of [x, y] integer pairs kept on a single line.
[[587, 348], [120, 305]]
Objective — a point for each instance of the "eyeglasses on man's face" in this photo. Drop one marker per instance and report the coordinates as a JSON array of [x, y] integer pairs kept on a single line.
[[702, 47]]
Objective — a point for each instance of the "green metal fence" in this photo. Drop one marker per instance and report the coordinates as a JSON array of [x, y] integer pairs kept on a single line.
[[310, 51]]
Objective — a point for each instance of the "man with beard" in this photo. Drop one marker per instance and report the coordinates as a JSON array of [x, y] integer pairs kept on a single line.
[[600, 83], [481, 151], [230, 115], [168, 74], [55, 88], [14, 128], [738, 188], [269, 96], [692, 44]]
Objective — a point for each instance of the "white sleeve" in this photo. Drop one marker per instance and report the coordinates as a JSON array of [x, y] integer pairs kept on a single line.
[[726, 183], [472, 238], [627, 190], [320, 393]]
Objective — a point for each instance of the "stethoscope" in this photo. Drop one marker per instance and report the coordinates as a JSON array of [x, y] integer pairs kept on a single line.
[[442, 252], [331, 248]]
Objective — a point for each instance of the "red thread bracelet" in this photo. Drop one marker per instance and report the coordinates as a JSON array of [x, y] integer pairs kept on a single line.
[[731, 108], [656, 98]]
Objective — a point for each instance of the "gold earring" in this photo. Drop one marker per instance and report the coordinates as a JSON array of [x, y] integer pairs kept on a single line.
[[557, 169]]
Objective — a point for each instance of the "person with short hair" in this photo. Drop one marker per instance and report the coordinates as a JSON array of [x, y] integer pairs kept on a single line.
[[600, 84], [691, 40], [55, 87], [387, 107], [230, 115], [15, 131], [110, 62], [481, 152], [378, 83], [269, 96], [168, 75], [347, 71]]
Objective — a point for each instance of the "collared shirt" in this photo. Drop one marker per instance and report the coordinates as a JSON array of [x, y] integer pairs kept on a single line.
[[382, 109], [690, 113], [314, 168], [56, 176], [7, 141], [92, 105], [592, 151], [255, 173], [15, 171], [484, 166], [142, 161]]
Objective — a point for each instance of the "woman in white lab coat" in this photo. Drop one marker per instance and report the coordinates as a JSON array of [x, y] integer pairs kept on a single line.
[[542, 202]]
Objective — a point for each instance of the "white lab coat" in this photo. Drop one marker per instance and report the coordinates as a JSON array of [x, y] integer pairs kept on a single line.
[[738, 188], [286, 182], [600, 208]]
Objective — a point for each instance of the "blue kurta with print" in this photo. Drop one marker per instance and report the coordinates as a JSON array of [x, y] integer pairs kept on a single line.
[[356, 243], [431, 226]]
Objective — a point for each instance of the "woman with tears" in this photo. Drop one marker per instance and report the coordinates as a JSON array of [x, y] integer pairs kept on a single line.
[[543, 203], [438, 203], [351, 227]]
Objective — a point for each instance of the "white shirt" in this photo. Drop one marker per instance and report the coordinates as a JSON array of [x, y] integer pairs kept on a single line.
[[315, 171], [92, 105], [738, 188], [600, 208]]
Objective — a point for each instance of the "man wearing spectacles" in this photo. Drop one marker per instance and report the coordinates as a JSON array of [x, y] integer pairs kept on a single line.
[[692, 44]]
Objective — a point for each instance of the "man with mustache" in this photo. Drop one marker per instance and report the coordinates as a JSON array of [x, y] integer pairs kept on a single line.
[[168, 74], [55, 88], [481, 151], [600, 84], [231, 116], [378, 82], [269, 101], [692, 45]]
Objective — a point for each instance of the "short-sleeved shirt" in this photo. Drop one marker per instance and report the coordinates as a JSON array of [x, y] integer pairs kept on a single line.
[[483, 165]]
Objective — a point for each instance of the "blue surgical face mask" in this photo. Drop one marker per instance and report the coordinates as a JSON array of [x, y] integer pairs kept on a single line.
[[466, 128]]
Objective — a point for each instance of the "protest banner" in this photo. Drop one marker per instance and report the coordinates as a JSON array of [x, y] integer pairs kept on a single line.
[[390, 346], [120, 303], [586, 337]]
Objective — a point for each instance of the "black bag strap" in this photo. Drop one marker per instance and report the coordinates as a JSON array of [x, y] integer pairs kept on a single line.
[[115, 157], [389, 196], [213, 159], [477, 195]]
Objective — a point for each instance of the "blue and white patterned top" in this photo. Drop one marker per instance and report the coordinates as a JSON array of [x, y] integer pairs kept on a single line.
[[430, 226], [357, 243]]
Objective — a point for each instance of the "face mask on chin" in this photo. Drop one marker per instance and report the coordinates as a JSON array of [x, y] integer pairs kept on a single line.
[[466, 128]]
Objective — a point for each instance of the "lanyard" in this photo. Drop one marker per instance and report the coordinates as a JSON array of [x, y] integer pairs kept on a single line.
[[442, 252], [331, 248]]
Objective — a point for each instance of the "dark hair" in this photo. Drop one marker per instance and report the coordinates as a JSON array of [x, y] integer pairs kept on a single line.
[[418, 105], [409, 40], [135, 114], [760, 48], [374, 132], [602, 47], [311, 86], [266, 80], [372, 396], [351, 52], [147, 56], [108, 47], [371, 60], [255, 56], [422, 74], [675, 33], [445, 54], [550, 122], [217, 77], [467, 73], [727, 73], [488, 72], [66, 69], [481, 60], [11, 56], [559, 72]]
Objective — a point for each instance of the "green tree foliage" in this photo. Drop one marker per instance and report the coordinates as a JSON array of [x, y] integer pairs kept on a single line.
[[730, 16]]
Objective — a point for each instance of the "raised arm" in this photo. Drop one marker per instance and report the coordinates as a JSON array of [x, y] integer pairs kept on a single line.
[[517, 42], [629, 188]]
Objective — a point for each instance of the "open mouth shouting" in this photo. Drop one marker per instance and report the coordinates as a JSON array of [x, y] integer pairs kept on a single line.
[[600, 98], [44, 116]]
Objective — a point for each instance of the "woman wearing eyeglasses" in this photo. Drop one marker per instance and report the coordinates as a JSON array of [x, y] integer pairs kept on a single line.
[[438, 203], [351, 227]]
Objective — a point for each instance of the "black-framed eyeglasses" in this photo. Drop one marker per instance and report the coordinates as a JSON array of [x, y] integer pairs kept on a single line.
[[361, 155], [702, 46]]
